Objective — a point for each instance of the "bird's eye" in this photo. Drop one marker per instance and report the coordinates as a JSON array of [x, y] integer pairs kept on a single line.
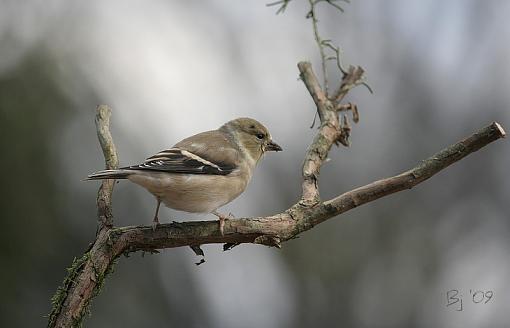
[[260, 136]]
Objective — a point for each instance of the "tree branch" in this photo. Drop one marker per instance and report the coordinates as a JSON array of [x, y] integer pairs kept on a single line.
[[330, 132], [104, 195], [311, 14], [275, 229], [87, 274]]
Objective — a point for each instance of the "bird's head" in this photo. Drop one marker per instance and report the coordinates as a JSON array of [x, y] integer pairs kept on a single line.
[[252, 136]]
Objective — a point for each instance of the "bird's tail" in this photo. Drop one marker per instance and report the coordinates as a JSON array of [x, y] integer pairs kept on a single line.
[[109, 174]]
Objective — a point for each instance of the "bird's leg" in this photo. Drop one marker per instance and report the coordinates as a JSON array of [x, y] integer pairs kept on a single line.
[[155, 221], [222, 218]]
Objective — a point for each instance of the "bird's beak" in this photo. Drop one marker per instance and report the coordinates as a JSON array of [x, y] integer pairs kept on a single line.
[[273, 146]]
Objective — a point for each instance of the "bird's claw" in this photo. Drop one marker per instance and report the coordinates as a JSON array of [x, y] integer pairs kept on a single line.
[[222, 218], [155, 223], [222, 225]]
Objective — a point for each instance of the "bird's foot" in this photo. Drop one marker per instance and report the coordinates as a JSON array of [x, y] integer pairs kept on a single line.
[[155, 223], [222, 218]]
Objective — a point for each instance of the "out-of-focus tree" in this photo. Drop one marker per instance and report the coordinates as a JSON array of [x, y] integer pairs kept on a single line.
[[438, 71]]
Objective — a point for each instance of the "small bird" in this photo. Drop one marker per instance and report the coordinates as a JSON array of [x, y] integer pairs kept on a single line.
[[203, 172]]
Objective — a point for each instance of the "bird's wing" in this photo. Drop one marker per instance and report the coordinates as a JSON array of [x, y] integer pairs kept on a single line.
[[206, 153]]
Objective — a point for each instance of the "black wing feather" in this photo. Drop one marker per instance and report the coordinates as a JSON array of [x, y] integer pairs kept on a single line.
[[175, 161]]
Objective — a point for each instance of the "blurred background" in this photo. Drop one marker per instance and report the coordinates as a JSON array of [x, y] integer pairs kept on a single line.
[[169, 69]]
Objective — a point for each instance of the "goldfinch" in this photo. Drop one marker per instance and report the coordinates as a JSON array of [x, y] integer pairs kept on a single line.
[[203, 172]]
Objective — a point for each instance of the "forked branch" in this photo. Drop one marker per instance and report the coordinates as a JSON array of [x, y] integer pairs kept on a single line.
[[88, 273]]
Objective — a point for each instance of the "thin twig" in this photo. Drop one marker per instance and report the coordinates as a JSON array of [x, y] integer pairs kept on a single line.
[[336, 57], [282, 8], [318, 40], [350, 80], [353, 108], [104, 199]]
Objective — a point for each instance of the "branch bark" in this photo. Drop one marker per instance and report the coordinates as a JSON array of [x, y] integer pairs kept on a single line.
[[104, 195], [275, 229], [87, 274]]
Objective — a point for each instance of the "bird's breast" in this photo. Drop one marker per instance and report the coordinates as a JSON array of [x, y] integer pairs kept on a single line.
[[194, 193]]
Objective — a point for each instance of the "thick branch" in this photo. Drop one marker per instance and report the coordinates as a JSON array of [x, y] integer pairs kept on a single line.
[[274, 230], [278, 228], [87, 273], [330, 131], [407, 180], [327, 135]]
